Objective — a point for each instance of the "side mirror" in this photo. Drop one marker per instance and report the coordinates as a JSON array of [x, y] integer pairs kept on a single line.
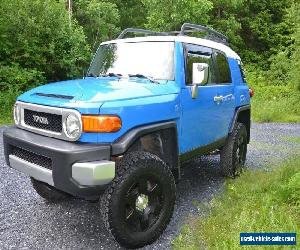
[[200, 73], [200, 77]]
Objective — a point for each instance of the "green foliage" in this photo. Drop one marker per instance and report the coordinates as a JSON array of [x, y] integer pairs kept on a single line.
[[295, 58], [265, 30], [14, 80], [285, 65], [39, 44], [132, 13], [290, 191], [19, 79], [169, 15], [224, 19], [259, 201], [99, 19], [272, 103], [277, 89], [280, 69], [36, 35]]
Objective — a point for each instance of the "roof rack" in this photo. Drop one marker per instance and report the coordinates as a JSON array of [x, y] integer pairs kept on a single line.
[[141, 31], [212, 34], [185, 28]]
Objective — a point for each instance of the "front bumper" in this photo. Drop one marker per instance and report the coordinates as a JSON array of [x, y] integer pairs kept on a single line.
[[82, 170]]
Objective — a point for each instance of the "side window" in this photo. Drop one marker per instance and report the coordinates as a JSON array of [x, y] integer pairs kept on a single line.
[[223, 67], [198, 54], [242, 71]]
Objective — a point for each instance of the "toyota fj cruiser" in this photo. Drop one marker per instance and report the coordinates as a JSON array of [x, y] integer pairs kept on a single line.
[[147, 104]]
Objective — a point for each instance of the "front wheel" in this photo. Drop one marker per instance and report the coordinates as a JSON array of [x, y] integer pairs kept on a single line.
[[233, 154], [139, 203]]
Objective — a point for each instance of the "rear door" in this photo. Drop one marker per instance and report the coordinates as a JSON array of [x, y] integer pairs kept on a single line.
[[205, 120], [225, 97]]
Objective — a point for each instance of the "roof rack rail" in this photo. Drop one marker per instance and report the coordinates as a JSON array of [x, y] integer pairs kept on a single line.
[[212, 34], [141, 31], [185, 28]]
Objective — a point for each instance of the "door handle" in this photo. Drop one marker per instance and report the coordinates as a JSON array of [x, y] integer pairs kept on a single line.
[[218, 99]]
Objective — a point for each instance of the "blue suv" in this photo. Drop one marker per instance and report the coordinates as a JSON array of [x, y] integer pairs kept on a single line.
[[120, 135]]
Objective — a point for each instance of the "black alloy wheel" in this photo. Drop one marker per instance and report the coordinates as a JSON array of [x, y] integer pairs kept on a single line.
[[143, 204], [240, 157], [233, 154], [139, 203]]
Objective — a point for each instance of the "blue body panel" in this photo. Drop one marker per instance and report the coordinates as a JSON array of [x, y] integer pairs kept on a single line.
[[138, 102], [203, 121]]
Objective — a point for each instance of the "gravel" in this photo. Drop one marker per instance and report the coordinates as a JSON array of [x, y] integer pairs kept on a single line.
[[29, 222]]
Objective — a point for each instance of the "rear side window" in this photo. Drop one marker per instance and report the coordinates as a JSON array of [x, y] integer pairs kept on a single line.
[[223, 67], [242, 71], [198, 54]]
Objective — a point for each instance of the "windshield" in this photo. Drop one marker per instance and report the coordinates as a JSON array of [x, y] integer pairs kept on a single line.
[[151, 59]]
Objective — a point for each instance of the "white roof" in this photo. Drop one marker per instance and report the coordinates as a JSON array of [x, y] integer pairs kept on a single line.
[[185, 39]]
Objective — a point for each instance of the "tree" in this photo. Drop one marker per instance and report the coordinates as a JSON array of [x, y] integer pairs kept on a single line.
[[263, 28], [99, 19], [223, 18], [295, 55], [168, 15], [36, 35], [132, 13], [285, 63]]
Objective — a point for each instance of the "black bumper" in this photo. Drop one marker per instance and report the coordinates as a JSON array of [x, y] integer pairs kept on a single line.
[[62, 154]]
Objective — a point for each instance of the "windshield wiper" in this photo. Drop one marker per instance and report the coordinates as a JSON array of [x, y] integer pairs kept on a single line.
[[91, 75], [105, 75], [151, 79], [112, 75]]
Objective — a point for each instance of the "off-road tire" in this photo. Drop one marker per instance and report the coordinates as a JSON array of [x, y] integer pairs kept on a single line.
[[131, 169], [233, 154], [47, 192]]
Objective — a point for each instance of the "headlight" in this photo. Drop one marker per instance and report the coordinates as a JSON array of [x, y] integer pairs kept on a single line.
[[17, 114], [73, 127]]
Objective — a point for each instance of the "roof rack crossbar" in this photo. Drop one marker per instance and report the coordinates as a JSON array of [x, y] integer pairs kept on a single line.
[[187, 27], [141, 31]]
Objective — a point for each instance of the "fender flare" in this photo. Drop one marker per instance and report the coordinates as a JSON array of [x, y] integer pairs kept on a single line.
[[236, 116], [121, 145]]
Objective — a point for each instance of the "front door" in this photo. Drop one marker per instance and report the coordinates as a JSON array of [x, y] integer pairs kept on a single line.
[[206, 119]]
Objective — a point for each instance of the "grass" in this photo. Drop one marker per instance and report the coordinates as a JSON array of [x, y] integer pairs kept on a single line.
[[267, 107], [273, 103], [258, 201], [291, 139]]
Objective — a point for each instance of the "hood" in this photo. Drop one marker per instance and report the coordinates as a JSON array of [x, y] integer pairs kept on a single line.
[[96, 90]]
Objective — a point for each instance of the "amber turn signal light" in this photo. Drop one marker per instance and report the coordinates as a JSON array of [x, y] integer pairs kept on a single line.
[[101, 123]]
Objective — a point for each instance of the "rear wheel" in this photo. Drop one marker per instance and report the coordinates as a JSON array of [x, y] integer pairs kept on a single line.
[[233, 154], [139, 203], [48, 192]]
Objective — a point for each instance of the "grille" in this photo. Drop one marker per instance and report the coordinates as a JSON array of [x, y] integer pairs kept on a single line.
[[45, 121], [37, 159]]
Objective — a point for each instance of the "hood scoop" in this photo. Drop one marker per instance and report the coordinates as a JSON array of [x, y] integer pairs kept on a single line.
[[57, 96]]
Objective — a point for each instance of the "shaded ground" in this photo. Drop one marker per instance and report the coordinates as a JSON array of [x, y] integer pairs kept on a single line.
[[28, 222]]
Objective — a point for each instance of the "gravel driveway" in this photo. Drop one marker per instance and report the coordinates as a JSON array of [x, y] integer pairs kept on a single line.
[[28, 222]]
